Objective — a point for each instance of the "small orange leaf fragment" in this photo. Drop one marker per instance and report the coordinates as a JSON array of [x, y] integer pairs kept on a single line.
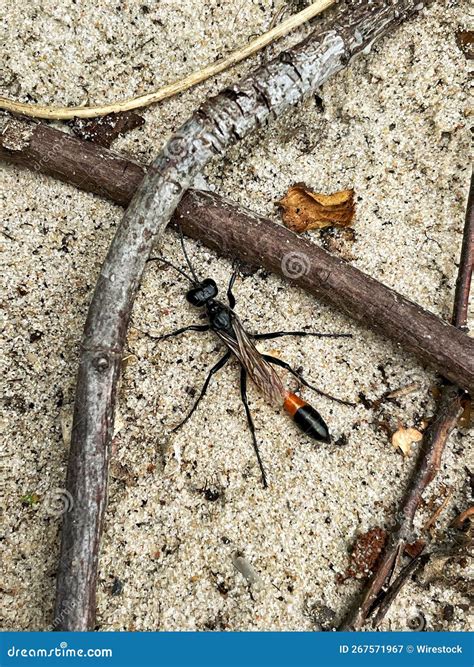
[[303, 209], [404, 438]]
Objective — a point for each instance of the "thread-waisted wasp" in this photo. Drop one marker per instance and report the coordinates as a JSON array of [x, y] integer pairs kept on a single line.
[[260, 368]]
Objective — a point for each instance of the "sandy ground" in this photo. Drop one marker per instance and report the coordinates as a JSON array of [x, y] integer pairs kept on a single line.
[[394, 127]]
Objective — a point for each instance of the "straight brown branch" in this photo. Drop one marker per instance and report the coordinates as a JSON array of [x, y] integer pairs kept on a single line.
[[227, 227]]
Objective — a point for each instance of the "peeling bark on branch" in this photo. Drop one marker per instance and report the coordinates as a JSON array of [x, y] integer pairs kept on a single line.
[[209, 132]]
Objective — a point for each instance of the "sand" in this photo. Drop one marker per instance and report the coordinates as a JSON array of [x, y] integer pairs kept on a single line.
[[394, 126]]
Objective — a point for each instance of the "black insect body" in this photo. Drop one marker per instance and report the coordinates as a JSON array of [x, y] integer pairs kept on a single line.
[[223, 321]]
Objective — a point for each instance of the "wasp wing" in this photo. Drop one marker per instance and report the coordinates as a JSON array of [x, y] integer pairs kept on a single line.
[[263, 374]]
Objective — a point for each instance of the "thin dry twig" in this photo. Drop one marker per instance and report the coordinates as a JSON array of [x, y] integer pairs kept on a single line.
[[67, 113], [434, 442], [406, 572], [439, 510], [226, 227]]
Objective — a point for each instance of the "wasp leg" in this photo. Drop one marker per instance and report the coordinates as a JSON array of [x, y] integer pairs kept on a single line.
[[230, 294], [279, 334], [243, 393], [220, 364], [192, 327], [283, 364]]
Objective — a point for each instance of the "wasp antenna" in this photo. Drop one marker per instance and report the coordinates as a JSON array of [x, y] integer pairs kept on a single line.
[[176, 268], [196, 279]]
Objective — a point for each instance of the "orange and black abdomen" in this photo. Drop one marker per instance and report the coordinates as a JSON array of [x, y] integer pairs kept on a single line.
[[306, 418]]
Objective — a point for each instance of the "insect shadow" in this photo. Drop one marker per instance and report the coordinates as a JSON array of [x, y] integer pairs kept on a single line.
[[260, 368]]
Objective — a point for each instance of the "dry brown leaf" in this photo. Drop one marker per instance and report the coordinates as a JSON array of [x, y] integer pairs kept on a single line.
[[465, 41], [404, 438], [303, 209], [365, 554]]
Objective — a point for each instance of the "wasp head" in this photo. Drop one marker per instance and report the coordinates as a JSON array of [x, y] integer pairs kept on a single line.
[[204, 292]]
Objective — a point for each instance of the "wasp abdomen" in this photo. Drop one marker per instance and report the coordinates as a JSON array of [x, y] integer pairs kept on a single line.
[[306, 418]]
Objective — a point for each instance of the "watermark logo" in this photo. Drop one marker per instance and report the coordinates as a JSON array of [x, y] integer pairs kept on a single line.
[[295, 265], [58, 502]]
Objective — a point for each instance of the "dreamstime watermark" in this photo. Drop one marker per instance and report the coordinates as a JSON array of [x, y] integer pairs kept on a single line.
[[295, 265], [58, 620], [61, 651], [52, 153], [176, 147], [58, 502]]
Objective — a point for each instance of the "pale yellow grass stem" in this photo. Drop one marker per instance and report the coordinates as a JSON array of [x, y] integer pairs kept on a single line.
[[66, 113]]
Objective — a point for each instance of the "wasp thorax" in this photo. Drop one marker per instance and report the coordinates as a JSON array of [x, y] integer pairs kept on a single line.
[[204, 292]]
